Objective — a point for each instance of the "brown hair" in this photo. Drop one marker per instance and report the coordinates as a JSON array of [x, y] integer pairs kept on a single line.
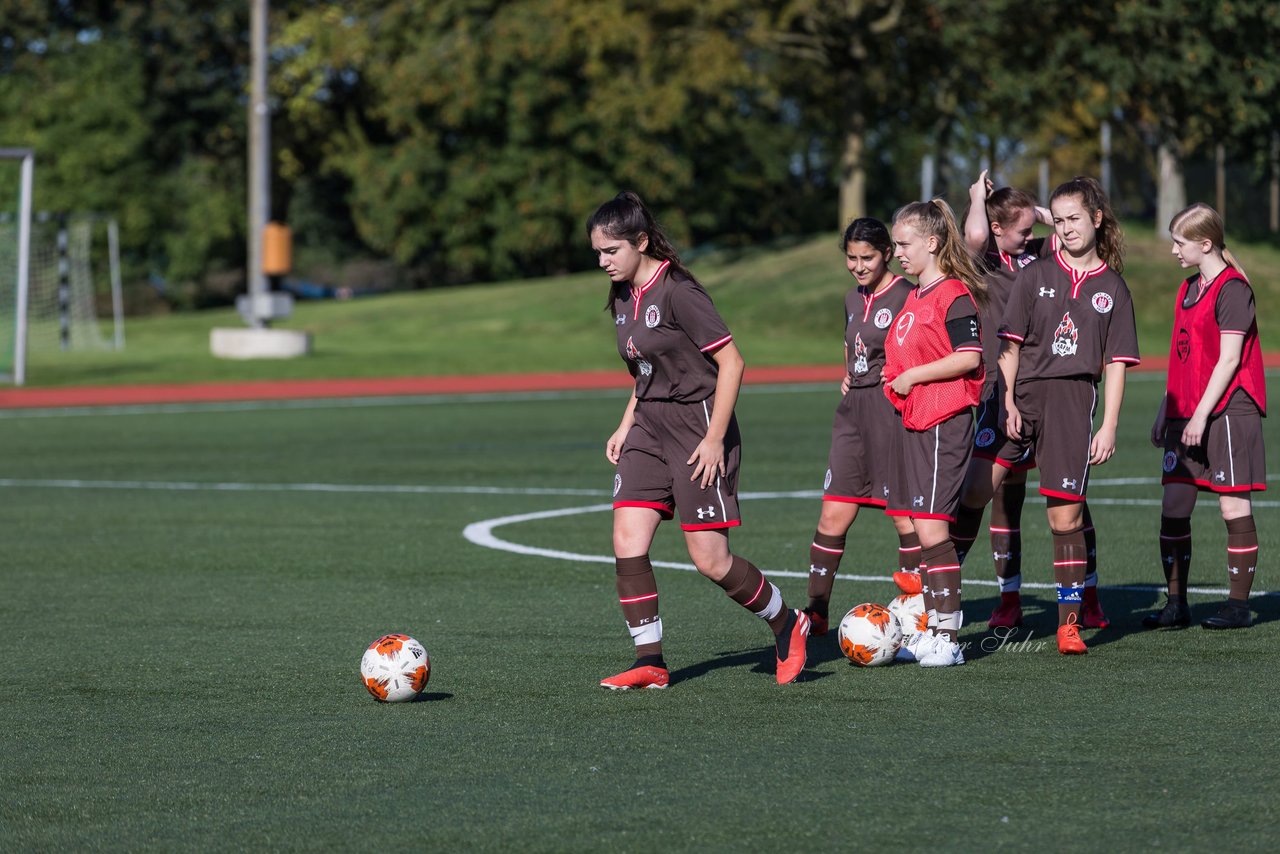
[[1110, 239], [935, 219], [1201, 222], [1003, 205], [625, 217]]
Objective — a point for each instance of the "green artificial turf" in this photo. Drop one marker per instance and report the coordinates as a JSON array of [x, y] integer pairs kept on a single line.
[[784, 305], [187, 593]]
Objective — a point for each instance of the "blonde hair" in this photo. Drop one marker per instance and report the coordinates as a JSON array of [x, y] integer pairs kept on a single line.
[[935, 219], [1201, 222], [1110, 236]]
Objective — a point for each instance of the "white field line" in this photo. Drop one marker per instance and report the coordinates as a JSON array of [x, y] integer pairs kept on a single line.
[[481, 533]]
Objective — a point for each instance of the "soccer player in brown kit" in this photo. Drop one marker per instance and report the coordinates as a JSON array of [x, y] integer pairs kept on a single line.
[[933, 376], [678, 445], [858, 462], [1069, 320], [998, 229], [1210, 421]]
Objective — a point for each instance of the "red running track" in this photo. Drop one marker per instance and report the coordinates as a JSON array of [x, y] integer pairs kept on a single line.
[[122, 395]]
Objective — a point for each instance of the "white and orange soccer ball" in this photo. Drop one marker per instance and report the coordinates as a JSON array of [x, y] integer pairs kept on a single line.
[[910, 611], [395, 668], [870, 635]]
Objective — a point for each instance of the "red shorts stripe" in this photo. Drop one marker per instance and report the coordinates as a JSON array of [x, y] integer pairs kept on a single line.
[[666, 510], [1069, 496], [1209, 487], [866, 502], [710, 526]]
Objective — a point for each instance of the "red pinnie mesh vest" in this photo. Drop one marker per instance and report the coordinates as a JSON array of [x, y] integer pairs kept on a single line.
[[1194, 351], [918, 337]]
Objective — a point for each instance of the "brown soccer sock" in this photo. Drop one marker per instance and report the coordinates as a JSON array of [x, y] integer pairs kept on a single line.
[[965, 530], [1242, 557], [638, 595], [1069, 564], [1175, 554], [1090, 550], [909, 552], [747, 586], [1006, 535], [824, 560], [940, 565]]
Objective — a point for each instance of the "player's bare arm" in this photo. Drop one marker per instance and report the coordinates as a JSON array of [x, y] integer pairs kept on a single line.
[[613, 447], [708, 458], [1103, 444]]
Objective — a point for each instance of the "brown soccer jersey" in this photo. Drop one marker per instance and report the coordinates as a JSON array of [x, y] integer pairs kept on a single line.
[[1070, 324], [999, 272], [869, 316], [668, 330]]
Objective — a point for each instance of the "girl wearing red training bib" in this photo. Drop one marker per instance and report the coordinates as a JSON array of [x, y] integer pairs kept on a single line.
[[933, 376], [677, 447], [1210, 421]]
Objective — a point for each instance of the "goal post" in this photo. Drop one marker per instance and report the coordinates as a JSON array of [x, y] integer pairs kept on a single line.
[[13, 336]]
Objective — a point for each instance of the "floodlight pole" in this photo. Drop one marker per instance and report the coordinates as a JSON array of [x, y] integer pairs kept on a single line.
[[259, 164]]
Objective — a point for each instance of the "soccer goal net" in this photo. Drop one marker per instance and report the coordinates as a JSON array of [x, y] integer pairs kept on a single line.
[[59, 274]]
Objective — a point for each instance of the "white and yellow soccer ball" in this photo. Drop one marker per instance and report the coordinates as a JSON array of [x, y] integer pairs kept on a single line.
[[870, 635], [910, 611], [395, 668]]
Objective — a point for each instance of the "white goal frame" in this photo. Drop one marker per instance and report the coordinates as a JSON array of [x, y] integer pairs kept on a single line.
[[28, 159]]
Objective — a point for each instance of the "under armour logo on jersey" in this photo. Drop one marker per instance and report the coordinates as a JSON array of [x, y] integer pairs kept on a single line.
[[1068, 483], [619, 320], [1047, 292], [646, 369], [708, 512], [818, 570]]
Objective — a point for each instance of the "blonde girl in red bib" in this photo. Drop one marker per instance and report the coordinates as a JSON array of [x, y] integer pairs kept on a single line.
[[1210, 420]]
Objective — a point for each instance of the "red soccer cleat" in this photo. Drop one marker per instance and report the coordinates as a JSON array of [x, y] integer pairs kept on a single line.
[[1008, 614], [789, 668], [818, 624], [1092, 610], [1069, 642], [646, 676], [908, 581]]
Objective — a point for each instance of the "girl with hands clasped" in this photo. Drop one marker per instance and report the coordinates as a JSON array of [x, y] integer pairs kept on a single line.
[[1210, 420], [677, 446]]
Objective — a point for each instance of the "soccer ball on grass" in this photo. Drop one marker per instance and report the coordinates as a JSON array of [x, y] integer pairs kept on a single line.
[[395, 668], [870, 635]]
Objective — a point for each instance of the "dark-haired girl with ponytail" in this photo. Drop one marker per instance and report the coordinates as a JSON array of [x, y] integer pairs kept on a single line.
[[1210, 421], [858, 462], [677, 447], [933, 376], [1068, 323]]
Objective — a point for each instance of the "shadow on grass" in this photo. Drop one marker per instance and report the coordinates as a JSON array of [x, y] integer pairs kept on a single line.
[[760, 660], [432, 697]]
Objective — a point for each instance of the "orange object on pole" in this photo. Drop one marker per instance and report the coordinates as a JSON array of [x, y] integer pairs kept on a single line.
[[277, 249]]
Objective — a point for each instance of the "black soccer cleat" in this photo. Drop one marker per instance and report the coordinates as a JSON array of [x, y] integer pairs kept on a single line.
[[1229, 617], [1174, 615]]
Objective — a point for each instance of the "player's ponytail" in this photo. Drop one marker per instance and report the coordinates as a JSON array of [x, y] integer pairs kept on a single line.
[[1201, 222], [1110, 236], [935, 219], [625, 217]]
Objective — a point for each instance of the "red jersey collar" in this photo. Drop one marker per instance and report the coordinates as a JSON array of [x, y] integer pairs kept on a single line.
[[1078, 277], [643, 289], [921, 290], [868, 299]]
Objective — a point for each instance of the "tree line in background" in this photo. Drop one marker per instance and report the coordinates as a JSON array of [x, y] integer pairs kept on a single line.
[[466, 140]]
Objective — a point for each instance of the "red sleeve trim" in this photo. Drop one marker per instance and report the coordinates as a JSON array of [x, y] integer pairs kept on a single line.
[[1233, 332], [1128, 360], [716, 345], [1009, 336], [967, 349]]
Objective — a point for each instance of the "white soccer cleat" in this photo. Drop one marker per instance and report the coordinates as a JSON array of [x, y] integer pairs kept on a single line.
[[937, 651]]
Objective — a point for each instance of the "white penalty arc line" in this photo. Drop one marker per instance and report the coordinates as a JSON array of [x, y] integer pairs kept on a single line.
[[481, 534]]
